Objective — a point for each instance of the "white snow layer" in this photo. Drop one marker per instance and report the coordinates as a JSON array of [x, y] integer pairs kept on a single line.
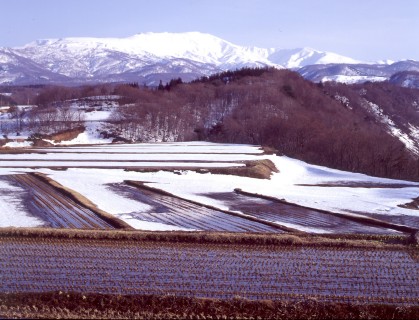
[[287, 184], [12, 213]]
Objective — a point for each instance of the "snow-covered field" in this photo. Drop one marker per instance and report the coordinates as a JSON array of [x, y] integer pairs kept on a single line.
[[12, 212], [296, 182]]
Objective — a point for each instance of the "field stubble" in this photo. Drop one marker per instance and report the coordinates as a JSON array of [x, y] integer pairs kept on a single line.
[[221, 271]]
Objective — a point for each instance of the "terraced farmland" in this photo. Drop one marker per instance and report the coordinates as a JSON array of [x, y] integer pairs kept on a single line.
[[207, 174], [297, 217], [56, 209], [202, 239], [175, 211], [354, 275]]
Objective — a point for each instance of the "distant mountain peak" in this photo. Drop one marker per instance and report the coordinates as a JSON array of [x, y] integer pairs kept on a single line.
[[300, 57], [147, 57]]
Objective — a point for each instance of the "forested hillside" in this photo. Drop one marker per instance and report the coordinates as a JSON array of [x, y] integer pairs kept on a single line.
[[371, 128]]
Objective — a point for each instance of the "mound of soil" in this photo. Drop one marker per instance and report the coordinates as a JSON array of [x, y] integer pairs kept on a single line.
[[414, 205], [40, 143], [66, 135], [259, 169]]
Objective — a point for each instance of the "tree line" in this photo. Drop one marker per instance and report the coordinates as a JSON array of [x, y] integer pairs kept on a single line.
[[325, 124]]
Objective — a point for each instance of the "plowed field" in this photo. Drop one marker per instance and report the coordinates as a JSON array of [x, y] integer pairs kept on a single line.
[[55, 208], [209, 270]]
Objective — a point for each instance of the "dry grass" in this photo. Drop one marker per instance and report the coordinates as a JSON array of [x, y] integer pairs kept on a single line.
[[269, 150], [66, 134], [215, 238], [39, 143], [56, 305], [259, 169], [82, 200]]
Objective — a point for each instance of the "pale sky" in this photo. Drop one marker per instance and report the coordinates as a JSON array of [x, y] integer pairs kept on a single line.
[[368, 30]]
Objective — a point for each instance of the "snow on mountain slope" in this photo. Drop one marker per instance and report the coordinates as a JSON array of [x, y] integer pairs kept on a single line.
[[199, 47], [408, 136], [88, 57], [353, 73], [151, 57], [297, 58], [17, 69]]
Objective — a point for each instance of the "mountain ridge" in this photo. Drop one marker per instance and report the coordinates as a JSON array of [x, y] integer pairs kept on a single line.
[[151, 57]]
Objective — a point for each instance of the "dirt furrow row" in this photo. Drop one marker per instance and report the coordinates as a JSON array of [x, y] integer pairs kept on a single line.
[[59, 210]]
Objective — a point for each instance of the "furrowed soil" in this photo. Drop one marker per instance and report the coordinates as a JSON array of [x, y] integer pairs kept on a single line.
[[172, 210], [58, 206], [289, 273], [310, 220], [54, 207]]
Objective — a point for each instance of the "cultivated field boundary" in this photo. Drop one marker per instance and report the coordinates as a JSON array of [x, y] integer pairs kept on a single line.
[[83, 201], [141, 185], [361, 219], [368, 242]]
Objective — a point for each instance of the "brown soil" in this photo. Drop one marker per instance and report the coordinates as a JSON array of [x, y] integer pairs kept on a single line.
[[3, 142], [66, 135], [411, 205], [269, 150], [63, 305], [40, 143], [259, 169]]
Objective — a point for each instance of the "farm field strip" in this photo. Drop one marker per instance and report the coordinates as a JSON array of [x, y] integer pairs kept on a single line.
[[215, 271], [296, 217], [406, 220], [117, 164], [90, 170], [151, 157], [184, 214], [186, 147], [55, 208], [93, 183], [13, 209]]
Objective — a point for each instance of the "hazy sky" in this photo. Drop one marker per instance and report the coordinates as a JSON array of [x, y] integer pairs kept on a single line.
[[362, 29]]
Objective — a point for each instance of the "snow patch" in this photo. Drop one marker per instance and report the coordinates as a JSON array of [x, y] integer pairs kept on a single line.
[[411, 144], [343, 100], [353, 79], [295, 182], [12, 212], [19, 144]]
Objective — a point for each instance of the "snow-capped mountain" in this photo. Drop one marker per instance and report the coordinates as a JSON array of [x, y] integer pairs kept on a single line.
[[145, 57], [20, 70], [408, 79], [353, 73], [148, 58], [298, 58]]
